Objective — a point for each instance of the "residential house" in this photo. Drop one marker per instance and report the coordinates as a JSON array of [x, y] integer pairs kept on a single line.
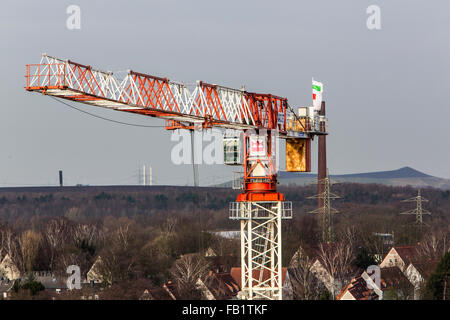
[[94, 275], [51, 282], [287, 285], [395, 285], [399, 256], [417, 273], [219, 286], [157, 293], [325, 278], [228, 234], [5, 287], [8, 269], [357, 289], [392, 284], [146, 295], [210, 253], [170, 288], [317, 268]]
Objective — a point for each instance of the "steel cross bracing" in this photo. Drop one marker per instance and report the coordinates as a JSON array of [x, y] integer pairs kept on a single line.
[[208, 104], [261, 268], [326, 211], [419, 211]]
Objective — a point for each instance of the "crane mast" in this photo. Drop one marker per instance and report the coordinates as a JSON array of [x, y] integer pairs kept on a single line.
[[260, 119]]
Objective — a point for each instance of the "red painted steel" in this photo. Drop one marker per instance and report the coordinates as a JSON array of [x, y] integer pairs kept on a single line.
[[158, 100]]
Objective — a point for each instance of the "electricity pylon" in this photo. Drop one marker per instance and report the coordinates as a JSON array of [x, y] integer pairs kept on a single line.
[[419, 211], [325, 211]]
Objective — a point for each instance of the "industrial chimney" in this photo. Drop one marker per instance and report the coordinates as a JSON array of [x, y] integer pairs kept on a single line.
[[60, 178]]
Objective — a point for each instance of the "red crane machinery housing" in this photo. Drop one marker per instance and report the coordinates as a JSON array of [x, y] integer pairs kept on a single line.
[[258, 118]]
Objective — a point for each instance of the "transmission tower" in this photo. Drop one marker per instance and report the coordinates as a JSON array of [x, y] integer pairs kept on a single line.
[[419, 211], [325, 209]]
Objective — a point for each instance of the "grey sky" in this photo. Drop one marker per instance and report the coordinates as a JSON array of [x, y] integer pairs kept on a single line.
[[385, 89]]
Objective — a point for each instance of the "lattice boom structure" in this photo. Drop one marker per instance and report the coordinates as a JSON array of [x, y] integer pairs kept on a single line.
[[209, 104]]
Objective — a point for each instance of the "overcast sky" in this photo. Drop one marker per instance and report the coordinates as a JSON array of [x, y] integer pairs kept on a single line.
[[386, 90]]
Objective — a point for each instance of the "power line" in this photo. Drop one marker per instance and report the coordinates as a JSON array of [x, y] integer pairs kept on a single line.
[[325, 211], [103, 118], [419, 211]]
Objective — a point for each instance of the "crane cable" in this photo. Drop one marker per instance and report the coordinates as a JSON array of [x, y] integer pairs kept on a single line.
[[142, 125], [295, 115], [106, 119]]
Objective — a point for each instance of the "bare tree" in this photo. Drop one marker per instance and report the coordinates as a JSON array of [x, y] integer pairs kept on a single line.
[[350, 236], [56, 233], [337, 259], [11, 243], [3, 241], [168, 226], [29, 243], [186, 271], [433, 246], [89, 234], [304, 282], [123, 236], [119, 258], [7, 241]]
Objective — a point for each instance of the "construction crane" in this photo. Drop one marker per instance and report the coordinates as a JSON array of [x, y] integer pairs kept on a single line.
[[258, 120]]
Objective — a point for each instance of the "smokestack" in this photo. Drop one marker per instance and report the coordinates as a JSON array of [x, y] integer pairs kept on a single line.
[[150, 180], [60, 178], [322, 158], [143, 175]]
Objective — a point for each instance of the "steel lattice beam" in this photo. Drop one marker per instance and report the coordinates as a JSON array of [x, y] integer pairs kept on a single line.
[[210, 104]]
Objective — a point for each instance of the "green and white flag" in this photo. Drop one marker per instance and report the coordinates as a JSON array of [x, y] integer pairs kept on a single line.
[[317, 90]]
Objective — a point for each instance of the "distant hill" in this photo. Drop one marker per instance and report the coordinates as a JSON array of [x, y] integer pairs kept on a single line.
[[401, 177]]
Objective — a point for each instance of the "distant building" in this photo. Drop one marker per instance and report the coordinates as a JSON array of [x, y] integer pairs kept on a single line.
[[220, 286], [94, 275], [357, 289], [418, 273], [8, 269], [395, 284], [50, 281], [146, 295], [210, 253], [399, 256], [325, 277], [157, 293], [170, 288], [228, 234], [5, 287], [332, 284], [285, 279]]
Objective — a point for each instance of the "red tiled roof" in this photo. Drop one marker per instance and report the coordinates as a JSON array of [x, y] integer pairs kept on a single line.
[[358, 289], [392, 277], [425, 268], [407, 253], [236, 274], [223, 286]]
